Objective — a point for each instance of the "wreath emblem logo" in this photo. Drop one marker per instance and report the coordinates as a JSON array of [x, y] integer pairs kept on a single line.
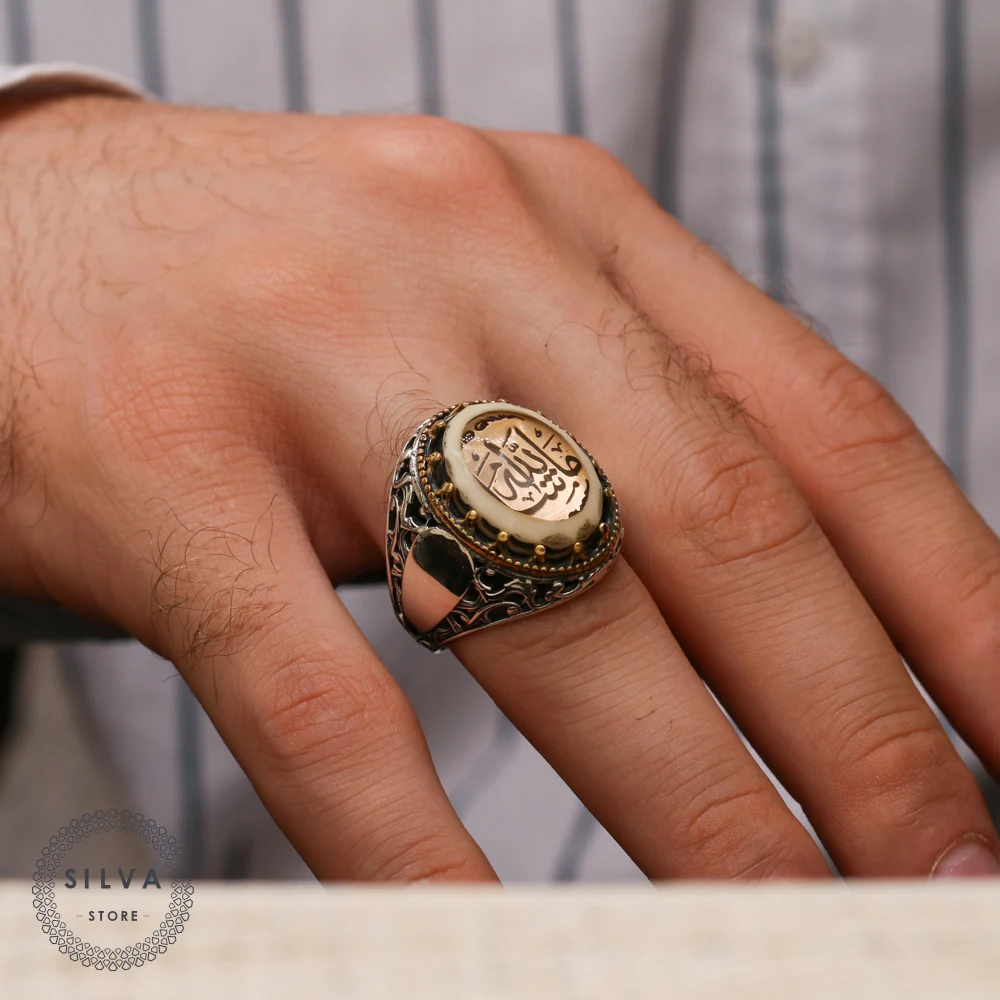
[[133, 912]]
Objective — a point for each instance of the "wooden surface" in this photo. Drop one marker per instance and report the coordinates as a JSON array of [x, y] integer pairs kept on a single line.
[[886, 940]]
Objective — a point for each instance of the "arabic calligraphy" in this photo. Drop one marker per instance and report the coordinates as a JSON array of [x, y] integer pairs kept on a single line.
[[526, 465]]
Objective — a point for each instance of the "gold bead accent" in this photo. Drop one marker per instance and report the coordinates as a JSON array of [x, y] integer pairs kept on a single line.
[[502, 537], [603, 528], [433, 458], [471, 515], [540, 551], [578, 547], [446, 489], [438, 426]]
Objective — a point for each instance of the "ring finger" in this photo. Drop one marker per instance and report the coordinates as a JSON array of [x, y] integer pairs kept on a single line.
[[601, 688]]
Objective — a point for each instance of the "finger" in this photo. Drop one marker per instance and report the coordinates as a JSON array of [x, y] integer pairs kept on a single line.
[[603, 691], [753, 589], [242, 606], [601, 688], [925, 559]]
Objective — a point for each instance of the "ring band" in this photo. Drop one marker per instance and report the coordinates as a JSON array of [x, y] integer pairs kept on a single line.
[[494, 513]]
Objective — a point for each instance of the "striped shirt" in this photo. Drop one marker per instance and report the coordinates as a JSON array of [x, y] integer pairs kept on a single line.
[[844, 154]]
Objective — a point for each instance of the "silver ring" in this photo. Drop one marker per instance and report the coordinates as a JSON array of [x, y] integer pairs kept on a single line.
[[494, 513]]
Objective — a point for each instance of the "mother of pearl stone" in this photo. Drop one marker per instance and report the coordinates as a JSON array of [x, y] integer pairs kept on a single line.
[[522, 474]]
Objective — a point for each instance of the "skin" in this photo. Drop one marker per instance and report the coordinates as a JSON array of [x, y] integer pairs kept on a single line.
[[219, 328]]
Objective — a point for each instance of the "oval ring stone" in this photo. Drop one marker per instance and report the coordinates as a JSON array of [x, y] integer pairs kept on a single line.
[[522, 474]]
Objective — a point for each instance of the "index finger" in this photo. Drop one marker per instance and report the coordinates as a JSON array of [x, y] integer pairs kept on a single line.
[[244, 608]]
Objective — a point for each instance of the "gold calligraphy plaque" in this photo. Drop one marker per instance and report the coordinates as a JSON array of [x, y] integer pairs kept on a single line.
[[526, 465]]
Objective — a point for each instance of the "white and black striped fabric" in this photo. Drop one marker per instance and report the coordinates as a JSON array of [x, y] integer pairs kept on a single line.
[[843, 153]]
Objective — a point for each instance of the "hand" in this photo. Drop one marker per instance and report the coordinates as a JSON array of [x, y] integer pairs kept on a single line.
[[218, 330]]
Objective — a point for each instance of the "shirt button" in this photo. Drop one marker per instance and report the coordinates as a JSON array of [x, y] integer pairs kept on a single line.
[[798, 47]]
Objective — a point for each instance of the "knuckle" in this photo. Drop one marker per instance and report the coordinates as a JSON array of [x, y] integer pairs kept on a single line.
[[593, 155], [584, 152], [453, 195], [733, 500], [905, 763], [323, 710], [716, 807], [853, 417], [431, 858], [972, 633], [727, 821], [437, 163], [979, 589], [873, 730], [892, 746], [776, 860], [579, 157]]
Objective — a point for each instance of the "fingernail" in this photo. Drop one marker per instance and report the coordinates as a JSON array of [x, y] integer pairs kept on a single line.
[[968, 858]]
